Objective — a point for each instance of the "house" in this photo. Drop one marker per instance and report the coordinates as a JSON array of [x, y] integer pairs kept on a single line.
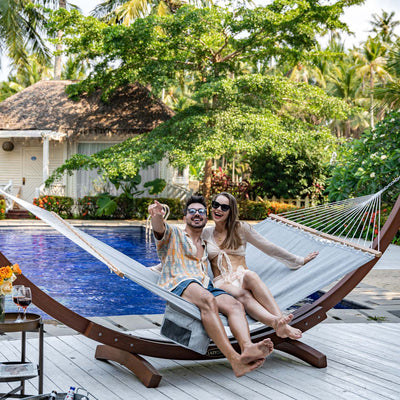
[[41, 127]]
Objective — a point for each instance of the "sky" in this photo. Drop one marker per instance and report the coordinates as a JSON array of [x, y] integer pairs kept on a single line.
[[357, 18]]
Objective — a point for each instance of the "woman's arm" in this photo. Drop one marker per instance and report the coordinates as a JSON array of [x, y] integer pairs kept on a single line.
[[279, 253]]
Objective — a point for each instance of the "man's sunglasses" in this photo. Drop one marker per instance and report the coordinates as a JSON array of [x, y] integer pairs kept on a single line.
[[224, 207], [193, 211]]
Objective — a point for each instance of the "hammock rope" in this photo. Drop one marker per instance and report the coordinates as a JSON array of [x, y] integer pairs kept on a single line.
[[357, 220]]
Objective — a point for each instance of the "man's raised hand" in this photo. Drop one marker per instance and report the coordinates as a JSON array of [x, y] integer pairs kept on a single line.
[[156, 209]]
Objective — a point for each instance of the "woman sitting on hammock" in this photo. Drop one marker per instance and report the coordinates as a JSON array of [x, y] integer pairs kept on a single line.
[[226, 247]]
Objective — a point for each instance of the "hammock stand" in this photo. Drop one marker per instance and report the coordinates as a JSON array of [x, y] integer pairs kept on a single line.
[[128, 350]]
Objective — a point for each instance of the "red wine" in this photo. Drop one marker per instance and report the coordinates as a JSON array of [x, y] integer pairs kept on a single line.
[[16, 300], [25, 302]]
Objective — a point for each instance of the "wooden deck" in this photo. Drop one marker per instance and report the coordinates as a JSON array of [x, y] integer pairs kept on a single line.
[[363, 363]]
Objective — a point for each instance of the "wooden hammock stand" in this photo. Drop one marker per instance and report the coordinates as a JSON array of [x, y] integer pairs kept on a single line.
[[128, 350]]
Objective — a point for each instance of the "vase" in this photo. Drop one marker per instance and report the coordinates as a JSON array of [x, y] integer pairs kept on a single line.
[[2, 308]]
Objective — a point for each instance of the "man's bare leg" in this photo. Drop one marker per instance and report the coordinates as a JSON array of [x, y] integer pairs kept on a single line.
[[212, 323], [234, 311]]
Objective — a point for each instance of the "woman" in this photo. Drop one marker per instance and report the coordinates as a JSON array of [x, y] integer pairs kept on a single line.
[[226, 247]]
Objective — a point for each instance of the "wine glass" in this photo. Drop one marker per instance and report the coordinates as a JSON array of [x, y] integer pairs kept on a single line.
[[25, 299], [16, 296]]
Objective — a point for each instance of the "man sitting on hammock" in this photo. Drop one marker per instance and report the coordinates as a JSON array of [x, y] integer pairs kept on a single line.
[[184, 272]]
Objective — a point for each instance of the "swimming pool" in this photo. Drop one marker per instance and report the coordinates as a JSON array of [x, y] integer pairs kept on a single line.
[[74, 277]]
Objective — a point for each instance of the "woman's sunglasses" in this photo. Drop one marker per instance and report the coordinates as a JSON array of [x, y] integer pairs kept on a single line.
[[224, 207]]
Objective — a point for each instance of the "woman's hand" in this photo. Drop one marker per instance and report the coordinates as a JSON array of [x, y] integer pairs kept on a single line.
[[310, 257]]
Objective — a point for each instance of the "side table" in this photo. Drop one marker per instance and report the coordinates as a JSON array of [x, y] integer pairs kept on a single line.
[[33, 323]]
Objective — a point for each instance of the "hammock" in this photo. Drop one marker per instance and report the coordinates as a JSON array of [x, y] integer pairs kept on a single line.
[[288, 287], [125, 349]]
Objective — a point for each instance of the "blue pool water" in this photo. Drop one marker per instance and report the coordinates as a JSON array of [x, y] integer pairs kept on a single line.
[[75, 278]]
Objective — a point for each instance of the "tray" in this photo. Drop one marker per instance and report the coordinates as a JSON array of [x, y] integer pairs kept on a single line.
[[11, 371]]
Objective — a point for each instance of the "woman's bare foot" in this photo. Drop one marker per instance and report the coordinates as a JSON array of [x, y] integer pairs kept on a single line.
[[256, 351], [284, 330], [239, 368]]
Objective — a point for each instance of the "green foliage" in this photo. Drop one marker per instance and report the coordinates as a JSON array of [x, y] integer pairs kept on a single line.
[[2, 209], [105, 206], [123, 207], [140, 205], [207, 42], [259, 210], [239, 115], [156, 186], [251, 122], [61, 205], [366, 165], [294, 164]]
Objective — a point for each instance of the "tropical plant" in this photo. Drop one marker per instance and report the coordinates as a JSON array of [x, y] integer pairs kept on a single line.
[[384, 26], [24, 75], [21, 30], [372, 63], [366, 165], [390, 93]]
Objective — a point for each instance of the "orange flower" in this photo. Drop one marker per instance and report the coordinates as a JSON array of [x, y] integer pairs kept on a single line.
[[16, 269]]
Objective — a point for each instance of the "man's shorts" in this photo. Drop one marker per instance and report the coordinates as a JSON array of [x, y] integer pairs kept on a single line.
[[184, 284]]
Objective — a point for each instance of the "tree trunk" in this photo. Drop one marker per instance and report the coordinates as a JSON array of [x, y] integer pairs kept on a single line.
[[371, 107], [207, 179], [58, 59]]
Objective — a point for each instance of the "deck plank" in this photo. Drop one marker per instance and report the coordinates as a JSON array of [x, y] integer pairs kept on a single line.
[[362, 363]]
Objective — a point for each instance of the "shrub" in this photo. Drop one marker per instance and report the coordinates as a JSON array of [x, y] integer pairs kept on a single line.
[[258, 210], [295, 166], [366, 165], [61, 205], [2, 209], [127, 208], [141, 204]]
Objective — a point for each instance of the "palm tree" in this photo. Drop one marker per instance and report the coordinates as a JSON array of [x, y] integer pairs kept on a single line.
[[384, 26], [372, 64], [24, 75], [390, 94], [21, 28]]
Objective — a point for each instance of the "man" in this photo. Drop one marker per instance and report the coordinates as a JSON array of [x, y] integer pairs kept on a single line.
[[184, 272]]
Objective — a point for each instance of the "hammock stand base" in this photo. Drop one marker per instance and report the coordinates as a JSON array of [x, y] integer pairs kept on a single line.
[[128, 349]]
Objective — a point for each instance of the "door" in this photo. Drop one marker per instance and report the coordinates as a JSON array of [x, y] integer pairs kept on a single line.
[[32, 172]]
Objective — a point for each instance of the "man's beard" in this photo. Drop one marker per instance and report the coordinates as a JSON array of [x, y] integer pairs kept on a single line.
[[203, 224]]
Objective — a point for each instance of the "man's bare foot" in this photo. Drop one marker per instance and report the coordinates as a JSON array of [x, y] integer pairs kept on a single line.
[[239, 368], [256, 351], [284, 330]]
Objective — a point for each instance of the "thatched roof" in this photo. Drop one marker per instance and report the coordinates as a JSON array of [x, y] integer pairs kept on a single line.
[[45, 106]]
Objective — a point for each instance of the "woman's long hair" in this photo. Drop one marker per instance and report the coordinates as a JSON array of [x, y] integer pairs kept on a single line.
[[232, 224]]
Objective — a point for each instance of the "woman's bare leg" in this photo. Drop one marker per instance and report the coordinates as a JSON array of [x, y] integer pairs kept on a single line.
[[261, 305]]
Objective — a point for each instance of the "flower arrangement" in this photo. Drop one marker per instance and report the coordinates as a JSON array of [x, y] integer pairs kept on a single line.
[[7, 277]]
